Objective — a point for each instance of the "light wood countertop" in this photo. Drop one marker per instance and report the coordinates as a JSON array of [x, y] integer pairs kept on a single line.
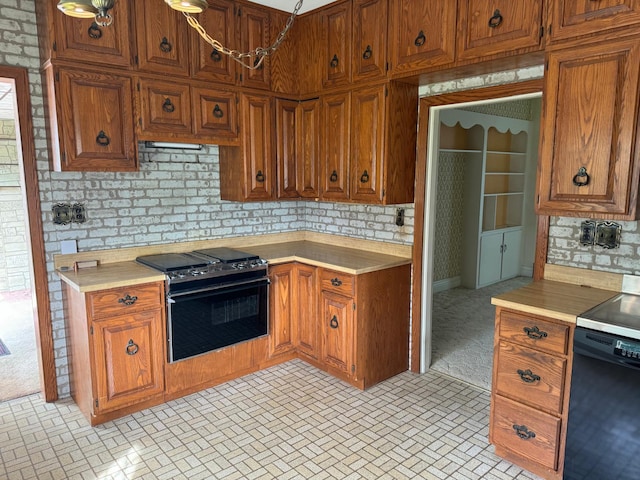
[[343, 259], [553, 299]]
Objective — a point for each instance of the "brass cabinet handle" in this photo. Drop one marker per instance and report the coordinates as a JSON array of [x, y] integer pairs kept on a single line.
[[94, 31], [367, 53], [364, 178], [420, 39], [495, 20], [217, 111], [334, 61], [336, 282], [128, 300], [334, 177], [535, 333], [527, 376], [167, 106], [581, 178], [334, 322], [523, 432], [260, 176], [103, 139], [165, 46], [132, 347]]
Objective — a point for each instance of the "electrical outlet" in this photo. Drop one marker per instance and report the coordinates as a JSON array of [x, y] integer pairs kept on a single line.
[[608, 234], [400, 217]]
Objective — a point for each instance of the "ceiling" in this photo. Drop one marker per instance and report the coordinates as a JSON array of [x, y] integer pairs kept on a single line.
[[288, 5]]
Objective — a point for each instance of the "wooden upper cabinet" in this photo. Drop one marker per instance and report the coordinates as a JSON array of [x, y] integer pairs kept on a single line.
[[490, 27], [575, 18], [162, 38], [336, 139], [94, 115], [336, 41], [215, 115], [82, 40], [254, 33], [422, 34], [165, 108], [247, 172], [369, 39], [367, 143], [297, 148], [590, 143], [207, 62]]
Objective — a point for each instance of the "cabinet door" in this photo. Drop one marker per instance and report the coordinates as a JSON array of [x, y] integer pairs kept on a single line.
[[162, 39], [336, 114], [367, 144], [336, 56], [165, 108], [254, 32], [128, 352], [511, 258], [574, 18], [369, 39], [286, 147], [308, 148], [337, 331], [422, 34], [84, 41], [589, 150], [95, 120], [488, 27], [208, 63], [490, 259], [281, 306], [215, 115], [256, 141], [307, 338]]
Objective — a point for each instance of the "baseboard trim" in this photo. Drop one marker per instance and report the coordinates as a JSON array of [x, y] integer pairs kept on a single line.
[[446, 284]]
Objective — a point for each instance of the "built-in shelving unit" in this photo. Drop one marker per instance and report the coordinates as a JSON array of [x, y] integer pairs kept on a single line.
[[494, 152]]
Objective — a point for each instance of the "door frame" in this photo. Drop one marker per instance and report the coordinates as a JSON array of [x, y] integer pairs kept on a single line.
[[486, 93], [19, 77]]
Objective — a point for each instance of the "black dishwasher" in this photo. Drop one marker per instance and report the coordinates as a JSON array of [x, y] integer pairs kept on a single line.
[[603, 428]]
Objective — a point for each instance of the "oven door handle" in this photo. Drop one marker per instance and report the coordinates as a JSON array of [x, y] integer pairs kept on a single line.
[[217, 287]]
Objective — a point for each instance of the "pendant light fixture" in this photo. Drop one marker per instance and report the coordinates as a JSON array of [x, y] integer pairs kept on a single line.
[[99, 10]]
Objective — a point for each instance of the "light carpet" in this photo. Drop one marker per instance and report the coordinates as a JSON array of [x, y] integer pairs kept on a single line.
[[462, 331], [19, 374]]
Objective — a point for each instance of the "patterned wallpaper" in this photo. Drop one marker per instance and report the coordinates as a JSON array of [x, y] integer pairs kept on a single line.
[[447, 260], [520, 109]]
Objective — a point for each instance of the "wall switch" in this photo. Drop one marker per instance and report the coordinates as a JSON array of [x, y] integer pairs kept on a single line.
[[587, 232], [400, 217], [608, 234]]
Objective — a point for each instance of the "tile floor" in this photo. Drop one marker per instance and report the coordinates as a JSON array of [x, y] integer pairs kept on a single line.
[[291, 421]]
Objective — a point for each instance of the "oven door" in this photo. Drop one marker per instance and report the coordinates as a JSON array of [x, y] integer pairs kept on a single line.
[[211, 318]]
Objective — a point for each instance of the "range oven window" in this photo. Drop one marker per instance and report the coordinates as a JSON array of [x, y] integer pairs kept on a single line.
[[202, 321]]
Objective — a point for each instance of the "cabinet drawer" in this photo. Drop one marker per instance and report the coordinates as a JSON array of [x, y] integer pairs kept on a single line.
[[525, 431], [122, 300], [337, 282], [530, 376], [534, 332]]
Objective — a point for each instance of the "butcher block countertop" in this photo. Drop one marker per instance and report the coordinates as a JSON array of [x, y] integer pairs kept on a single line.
[[553, 299], [117, 268]]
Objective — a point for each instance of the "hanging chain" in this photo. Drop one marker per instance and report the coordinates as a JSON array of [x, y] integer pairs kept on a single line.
[[253, 59]]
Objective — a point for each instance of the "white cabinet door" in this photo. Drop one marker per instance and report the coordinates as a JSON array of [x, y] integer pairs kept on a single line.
[[511, 254], [490, 258]]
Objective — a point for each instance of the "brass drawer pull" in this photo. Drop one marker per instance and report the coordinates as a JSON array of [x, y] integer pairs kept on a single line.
[[217, 111], [535, 333], [103, 139], [165, 46], [367, 53], [364, 178], [581, 178], [167, 106], [94, 31], [128, 300], [334, 177], [334, 61], [336, 282], [527, 376], [259, 176], [132, 347], [215, 55], [334, 322], [420, 39], [523, 432], [496, 20]]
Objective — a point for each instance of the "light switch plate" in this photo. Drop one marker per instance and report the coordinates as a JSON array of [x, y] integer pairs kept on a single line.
[[587, 232], [608, 234]]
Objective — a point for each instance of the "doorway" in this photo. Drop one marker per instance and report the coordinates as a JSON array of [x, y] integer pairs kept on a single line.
[[426, 172], [18, 358], [38, 306]]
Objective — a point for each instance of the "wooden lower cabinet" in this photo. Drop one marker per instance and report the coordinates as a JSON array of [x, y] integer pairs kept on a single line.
[[530, 392], [281, 305], [307, 332], [117, 349], [337, 332]]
